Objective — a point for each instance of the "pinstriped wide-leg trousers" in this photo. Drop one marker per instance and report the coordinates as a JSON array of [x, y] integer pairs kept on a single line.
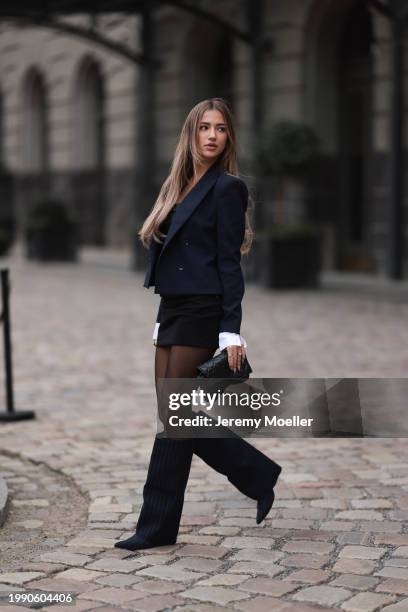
[[249, 470]]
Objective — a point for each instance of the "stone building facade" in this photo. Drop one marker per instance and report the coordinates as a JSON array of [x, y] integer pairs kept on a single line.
[[70, 114]]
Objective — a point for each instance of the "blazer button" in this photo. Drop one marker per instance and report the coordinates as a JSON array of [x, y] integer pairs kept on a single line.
[[181, 268], [186, 243]]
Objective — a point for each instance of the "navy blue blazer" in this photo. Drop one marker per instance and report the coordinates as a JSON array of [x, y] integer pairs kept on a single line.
[[201, 252]]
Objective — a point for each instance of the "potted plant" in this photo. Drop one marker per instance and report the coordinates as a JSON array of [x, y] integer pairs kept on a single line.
[[291, 247], [51, 235]]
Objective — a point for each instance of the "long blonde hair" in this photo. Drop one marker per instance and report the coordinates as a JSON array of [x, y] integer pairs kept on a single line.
[[183, 169]]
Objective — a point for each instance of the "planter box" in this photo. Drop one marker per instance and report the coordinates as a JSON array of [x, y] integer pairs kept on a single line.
[[46, 246], [6, 235], [140, 255], [50, 234], [291, 262]]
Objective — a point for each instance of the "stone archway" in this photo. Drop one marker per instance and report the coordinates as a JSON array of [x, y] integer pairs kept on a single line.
[[338, 102]]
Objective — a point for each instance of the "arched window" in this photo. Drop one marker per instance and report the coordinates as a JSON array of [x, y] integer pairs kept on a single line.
[[35, 124], [339, 102], [89, 116], [208, 65]]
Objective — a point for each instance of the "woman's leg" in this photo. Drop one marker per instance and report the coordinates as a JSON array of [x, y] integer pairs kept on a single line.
[[170, 461], [247, 468]]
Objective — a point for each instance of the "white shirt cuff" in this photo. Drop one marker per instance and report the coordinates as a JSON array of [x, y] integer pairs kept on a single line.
[[229, 339], [224, 338]]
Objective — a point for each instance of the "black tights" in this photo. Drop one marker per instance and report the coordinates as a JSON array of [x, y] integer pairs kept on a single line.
[[179, 361], [174, 362]]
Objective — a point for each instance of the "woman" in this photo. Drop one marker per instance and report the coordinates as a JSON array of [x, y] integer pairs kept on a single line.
[[201, 213]]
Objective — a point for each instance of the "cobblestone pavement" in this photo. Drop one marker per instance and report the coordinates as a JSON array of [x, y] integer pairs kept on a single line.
[[46, 509], [336, 538]]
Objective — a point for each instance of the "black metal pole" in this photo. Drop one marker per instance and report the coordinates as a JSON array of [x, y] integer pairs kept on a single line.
[[147, 135], [5, 292], [146, 139], [254, 14], [10, 414], [396, 210], [255, 17]]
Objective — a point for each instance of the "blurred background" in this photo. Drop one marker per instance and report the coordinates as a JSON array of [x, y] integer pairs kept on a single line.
[[93, 96]]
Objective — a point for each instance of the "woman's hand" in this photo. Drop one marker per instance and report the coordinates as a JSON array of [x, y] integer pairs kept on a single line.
[[236, 355]]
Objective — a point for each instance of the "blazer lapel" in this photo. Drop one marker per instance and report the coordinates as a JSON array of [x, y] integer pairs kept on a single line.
[[187, 206]]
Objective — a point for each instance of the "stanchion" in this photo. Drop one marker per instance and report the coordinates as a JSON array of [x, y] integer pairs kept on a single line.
[[11, 414]]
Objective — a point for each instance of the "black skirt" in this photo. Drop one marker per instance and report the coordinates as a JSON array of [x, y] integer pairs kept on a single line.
[[190, 320]]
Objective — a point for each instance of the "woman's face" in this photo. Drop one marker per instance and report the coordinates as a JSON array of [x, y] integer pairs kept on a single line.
[[212, 134]]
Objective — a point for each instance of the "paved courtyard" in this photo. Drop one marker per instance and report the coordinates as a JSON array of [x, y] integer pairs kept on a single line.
[[337, 537]]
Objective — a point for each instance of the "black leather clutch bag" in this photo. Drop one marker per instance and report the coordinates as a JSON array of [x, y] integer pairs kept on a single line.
[[217, 367]]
